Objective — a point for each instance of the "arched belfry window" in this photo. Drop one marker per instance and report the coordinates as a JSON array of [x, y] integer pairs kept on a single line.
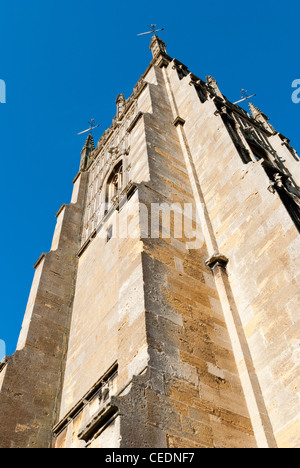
[[114, 183], [288, 193], [258, 151]]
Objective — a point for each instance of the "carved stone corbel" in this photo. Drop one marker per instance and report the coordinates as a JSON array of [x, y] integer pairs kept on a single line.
[[179, 121], [222, 111], [217, 260]]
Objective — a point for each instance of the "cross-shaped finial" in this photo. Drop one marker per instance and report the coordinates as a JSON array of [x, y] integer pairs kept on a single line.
[[92, 126], [244, 93], [153, 30]]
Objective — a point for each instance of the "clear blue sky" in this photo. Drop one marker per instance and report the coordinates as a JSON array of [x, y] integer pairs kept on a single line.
[[66, 61]]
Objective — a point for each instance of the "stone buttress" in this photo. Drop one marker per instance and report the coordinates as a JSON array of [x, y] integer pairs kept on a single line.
[[165, 314]]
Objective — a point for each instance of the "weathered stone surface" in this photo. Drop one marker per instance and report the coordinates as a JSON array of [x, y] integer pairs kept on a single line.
[[170, 343], [31, 385]]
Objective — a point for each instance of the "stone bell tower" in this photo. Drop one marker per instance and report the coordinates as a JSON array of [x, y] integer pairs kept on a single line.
[[166, 313]]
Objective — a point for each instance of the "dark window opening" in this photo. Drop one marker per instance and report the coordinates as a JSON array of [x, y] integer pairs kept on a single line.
[[109, 233], [287, 194], [291, 205], [258, 151], [236, 139], [114, 186], [114, 183]]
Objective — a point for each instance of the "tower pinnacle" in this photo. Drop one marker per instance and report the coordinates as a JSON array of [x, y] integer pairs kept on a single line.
[[259, 116], [255, 112], [157, 46], [86, 151]]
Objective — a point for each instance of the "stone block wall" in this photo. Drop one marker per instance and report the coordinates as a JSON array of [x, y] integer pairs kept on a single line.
[[135, 336]]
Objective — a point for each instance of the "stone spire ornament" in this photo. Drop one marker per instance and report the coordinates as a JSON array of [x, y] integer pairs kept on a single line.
[[260, 117], [255, 112], [157, 46], [86, 151], [89, 144], [120, 101]]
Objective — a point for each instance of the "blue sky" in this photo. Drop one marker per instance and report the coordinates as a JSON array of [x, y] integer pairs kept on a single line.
[[65, 62]]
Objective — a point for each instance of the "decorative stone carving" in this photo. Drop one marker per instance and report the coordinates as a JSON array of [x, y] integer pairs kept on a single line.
[[179, 121], [212, 83], [181, 69], [279, 182], [217, 260], [120, 101], [286, 142], [157, 46]]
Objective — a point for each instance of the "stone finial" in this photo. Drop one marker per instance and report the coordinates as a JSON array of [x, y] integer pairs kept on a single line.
[[86, 151], [212, 82], [259, 116], [120, 101], [255, 112], [157, 46], [89, 144]]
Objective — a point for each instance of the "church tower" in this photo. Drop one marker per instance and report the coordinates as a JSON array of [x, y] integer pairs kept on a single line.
[[166, 313]]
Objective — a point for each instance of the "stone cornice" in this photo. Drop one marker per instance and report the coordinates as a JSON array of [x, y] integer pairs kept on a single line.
[[40, 259], [60, 210]]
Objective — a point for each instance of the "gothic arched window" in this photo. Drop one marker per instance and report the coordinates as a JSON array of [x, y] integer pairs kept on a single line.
[[258, 151], [114, 184]]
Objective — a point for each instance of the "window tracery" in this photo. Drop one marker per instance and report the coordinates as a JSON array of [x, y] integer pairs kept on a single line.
[[114, 184]]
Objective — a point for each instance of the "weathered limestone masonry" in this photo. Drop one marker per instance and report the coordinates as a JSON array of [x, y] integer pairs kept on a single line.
[[255, 231], [29, 381], [137, 336]]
